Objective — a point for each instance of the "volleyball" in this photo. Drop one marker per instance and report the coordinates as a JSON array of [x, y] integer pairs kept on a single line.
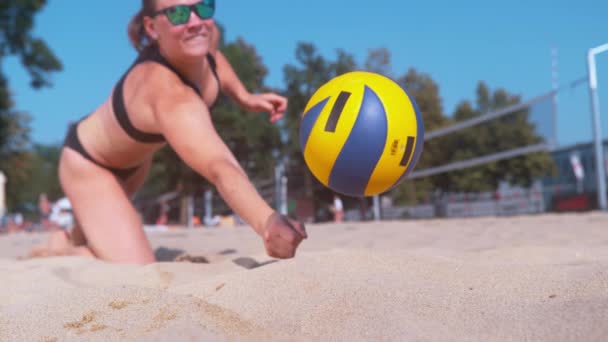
[[361, 134]]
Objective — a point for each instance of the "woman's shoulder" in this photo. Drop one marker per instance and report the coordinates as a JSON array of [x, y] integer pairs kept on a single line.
[[148, 74]]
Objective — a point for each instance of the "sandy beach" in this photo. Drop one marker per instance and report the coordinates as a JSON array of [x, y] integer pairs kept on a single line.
[[533, 278]]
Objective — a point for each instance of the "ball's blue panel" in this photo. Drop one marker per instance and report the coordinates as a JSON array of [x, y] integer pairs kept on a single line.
[[308, 121], [362, 149]]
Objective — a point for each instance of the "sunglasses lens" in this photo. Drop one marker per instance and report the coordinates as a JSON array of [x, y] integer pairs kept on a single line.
[[178, 15], [205, 9]]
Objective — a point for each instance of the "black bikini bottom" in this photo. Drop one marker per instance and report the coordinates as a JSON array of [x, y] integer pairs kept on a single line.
[[72, 141]]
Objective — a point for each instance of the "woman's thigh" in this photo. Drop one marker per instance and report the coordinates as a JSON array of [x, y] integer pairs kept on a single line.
[[112, 226]]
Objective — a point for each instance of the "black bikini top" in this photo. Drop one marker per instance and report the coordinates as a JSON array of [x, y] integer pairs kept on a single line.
[[118, 103]]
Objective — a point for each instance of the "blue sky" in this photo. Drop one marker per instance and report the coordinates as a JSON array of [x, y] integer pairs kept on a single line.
[[506, 44]]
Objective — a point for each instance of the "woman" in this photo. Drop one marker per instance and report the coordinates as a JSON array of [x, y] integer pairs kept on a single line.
[[165, 97], [44, 209]]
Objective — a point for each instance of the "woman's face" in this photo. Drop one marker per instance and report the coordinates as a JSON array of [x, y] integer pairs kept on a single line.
[[182, 28]]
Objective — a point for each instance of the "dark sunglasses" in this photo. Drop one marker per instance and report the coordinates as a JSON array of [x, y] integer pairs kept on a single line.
[[180, 14]]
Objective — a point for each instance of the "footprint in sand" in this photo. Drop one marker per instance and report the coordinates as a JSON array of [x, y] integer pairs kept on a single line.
[[165, 315], [89, 321], [250, 263], [118, 304], [164, 254], [197, 259], [86, 319], [226, 319], [80, 326]]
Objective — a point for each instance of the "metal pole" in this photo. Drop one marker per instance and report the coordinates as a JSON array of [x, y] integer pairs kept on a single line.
[[2, 195], [278, 176], [190, 211], [376, 202], [208, 206], [554, 86], [283, 209], [597, 129]]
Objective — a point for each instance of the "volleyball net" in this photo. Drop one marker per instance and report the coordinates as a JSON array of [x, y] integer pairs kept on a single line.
[[499, 143], [509, 132]]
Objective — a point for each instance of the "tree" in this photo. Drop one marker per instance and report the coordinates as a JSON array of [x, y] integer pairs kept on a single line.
[[425, 91], [252, 138], [301, 81], [16, 23], [509, 132], [379, 61], [39, 174], [14, 154], [45, 172]]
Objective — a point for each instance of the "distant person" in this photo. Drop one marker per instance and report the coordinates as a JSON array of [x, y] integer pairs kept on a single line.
[[44, 210], [18, 219], [165, 97], [337, 209], [62, 216], [163, 215], [14, 223]]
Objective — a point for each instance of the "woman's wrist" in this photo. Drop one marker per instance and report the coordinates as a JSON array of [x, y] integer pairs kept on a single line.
[[265, 216]]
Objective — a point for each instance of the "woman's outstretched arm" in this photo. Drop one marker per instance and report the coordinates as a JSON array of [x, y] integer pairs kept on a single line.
[[185, 122]]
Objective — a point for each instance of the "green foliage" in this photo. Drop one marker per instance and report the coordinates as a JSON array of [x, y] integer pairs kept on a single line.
[[301, 81], [39, 174], [17, 161], [379, 61], [45, 172], [425, 92], [509, 132], [16, 23], [30, 170], [14, 140], [254, 141]]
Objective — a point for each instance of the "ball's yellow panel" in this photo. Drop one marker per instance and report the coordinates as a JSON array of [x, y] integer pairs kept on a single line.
[[402, 123], [323, 147]]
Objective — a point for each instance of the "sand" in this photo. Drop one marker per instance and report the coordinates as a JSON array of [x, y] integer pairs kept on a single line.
[[534, 278]]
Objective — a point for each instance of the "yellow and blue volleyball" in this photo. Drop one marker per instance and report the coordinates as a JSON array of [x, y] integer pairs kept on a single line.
[[361, 134]]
